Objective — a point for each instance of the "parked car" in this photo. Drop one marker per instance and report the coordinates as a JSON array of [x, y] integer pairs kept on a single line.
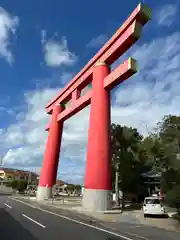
[[153, 206]]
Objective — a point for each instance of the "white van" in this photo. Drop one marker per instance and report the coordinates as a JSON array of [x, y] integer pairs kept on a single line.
[[153, 206]]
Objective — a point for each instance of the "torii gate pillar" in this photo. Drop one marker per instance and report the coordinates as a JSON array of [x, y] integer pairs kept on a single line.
[[51, 157], [98, 183]]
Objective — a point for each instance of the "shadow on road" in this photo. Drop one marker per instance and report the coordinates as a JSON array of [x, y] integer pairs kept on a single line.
[[6, 194], [157, 216], [11, 229]]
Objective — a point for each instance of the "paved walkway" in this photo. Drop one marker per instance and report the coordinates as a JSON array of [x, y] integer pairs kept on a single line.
[[166, 223]]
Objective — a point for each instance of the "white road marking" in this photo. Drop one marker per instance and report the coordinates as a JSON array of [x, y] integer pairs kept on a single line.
[[7, 205], [138, 236], [128, 233], [75, 221], [34, 221], [137, 226]]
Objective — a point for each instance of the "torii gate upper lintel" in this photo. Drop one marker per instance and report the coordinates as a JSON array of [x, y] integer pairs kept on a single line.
[[97, 72]]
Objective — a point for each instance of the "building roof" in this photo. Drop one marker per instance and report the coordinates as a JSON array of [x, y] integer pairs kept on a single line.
[[7, 170], [20, 172], [17, 171], [59, 182]]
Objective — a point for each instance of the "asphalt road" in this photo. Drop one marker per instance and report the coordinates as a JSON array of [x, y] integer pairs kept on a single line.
[[19, 221]]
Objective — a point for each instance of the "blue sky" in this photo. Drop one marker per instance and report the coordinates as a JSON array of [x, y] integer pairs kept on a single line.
[[44, 43]]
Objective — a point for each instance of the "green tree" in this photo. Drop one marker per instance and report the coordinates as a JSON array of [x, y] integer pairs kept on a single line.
[[173, 198], [77, 187], [126, 157], [19, 185], [169, 133], [70, 187], [168, 157], [14, 184], [163, 151], [22, 185]]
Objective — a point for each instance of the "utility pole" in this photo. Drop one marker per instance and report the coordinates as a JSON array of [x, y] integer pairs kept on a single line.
[[1, 163], [29, 177]]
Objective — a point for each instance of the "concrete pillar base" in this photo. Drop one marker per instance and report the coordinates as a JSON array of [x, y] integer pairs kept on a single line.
[[97, 200], [43, 193]]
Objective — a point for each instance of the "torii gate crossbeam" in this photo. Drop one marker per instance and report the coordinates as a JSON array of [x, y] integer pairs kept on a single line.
[[97, 193]]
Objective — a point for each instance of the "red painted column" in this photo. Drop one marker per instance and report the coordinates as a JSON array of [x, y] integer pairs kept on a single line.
[[98, 165], [51, 156]]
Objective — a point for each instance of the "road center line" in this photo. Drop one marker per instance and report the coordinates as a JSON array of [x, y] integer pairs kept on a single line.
[[7, 205], [34, 221], [75, 221]]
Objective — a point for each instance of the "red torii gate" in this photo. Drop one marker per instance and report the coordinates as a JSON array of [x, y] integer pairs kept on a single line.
[[97, 183]]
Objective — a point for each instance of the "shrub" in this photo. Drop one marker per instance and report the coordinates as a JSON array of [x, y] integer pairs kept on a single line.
[[14, 184], [19, 185], [173, 198], [22, 185]]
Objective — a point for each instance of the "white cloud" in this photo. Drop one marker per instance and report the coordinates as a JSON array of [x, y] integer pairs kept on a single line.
[[139, 102], [56, 53], [26, 138], [153, 92], [97, 41], [166, 15], [8, 26]]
